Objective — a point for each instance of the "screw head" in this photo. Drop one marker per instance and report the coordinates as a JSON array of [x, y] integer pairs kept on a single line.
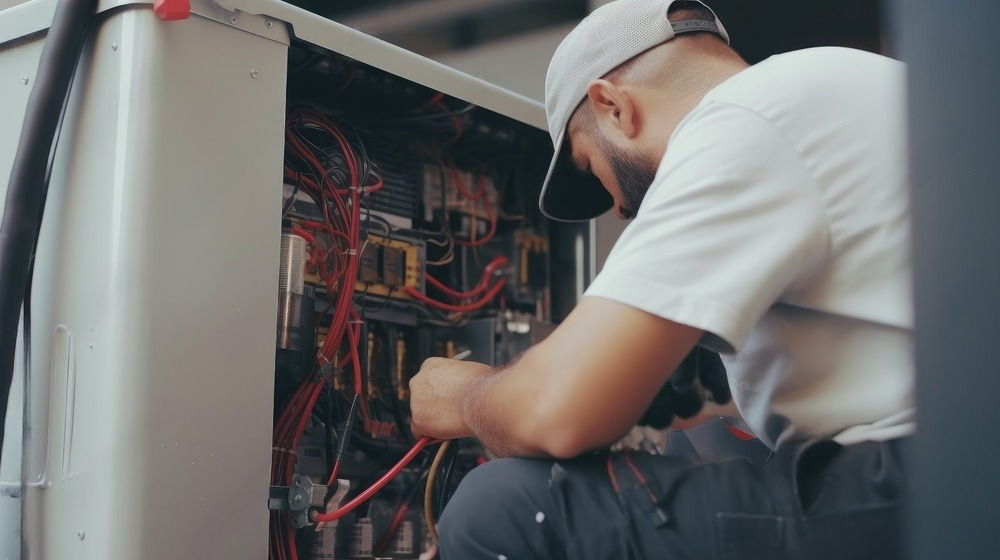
[[269, 24], [234, 19], [114, 46], [81, 534], [24, 80], [254, 73]]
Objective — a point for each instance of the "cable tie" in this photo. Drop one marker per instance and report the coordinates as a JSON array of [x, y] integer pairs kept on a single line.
[[283, 450], [325, 371]]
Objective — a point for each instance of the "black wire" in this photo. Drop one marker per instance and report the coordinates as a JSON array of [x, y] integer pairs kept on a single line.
[[28, 188], [331, 428], [389, 230], [291, 199], [385, 302]]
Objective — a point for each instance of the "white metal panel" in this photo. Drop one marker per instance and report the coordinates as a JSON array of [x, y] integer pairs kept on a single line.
[[155, 297], [372, 51], [330, 35], [17, 74]]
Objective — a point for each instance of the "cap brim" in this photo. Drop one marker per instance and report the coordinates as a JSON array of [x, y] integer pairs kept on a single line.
[[569, 195]]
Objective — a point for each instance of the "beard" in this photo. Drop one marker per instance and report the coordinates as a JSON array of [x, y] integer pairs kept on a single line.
[[633, 172]]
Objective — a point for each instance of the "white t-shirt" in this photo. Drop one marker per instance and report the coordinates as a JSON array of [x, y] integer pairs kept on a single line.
[[778, 222]]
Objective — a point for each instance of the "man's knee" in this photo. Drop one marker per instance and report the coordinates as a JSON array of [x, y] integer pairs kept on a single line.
[[494, 488], [496, 502]]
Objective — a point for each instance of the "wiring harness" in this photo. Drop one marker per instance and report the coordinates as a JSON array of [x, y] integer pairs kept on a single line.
[[326, 162]]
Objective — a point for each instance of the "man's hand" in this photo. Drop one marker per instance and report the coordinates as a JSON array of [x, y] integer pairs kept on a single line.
[[439, 394], [580, 389]]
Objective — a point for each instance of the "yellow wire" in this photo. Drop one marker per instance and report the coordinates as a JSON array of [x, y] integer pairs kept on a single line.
[[429, 489]]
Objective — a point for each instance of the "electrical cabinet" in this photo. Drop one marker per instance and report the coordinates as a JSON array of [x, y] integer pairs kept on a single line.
[[259, 223]]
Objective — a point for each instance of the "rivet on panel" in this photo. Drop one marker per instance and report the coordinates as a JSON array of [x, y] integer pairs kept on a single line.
[[254, 73], [82, 534], [269, 24], [114, 46], [235, 20], [24, 80]]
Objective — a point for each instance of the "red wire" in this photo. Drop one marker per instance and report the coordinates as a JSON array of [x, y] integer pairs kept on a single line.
[[334, 239], [436, 99], [491, 216], [453, 292], [481, 194], [381, 482], [377, 186], [394, 525], [479, 304], [460, 186], [303, 234], [480, 287]]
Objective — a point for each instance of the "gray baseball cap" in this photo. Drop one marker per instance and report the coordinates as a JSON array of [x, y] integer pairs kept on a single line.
[[608, 37]]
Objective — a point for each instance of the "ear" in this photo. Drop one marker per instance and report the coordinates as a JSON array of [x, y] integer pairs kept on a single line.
[[613, 107]]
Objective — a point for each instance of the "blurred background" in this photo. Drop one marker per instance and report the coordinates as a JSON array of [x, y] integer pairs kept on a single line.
[[510, 42]]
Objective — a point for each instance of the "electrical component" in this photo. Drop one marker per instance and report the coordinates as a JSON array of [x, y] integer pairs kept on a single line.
[[296, 320], [470, 198], [393, 267], [352, 200], [394, 264], [363, 540], [370, 261], [533, 264], [402, 384]]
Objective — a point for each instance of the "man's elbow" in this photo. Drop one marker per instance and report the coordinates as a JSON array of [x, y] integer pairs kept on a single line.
[[566, 445], [565, 434]]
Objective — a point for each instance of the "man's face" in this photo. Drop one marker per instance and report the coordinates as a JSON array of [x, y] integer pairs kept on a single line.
[[625, 174]]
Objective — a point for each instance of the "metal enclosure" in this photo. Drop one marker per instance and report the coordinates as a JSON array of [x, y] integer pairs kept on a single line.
[[155, 292], [954, 138]]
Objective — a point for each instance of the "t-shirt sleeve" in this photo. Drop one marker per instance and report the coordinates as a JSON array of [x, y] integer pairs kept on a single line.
[[732, 220]]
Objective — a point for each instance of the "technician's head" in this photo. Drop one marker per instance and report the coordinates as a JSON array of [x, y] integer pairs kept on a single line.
[[616, 89]]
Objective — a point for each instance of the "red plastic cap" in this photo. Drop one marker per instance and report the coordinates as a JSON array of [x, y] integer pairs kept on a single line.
[[740, 434], [170, 10]]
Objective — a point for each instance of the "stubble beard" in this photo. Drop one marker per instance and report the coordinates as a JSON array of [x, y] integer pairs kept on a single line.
[[633, 173]]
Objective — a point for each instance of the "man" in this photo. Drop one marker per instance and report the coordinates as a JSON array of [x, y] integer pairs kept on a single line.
[[770, 225]]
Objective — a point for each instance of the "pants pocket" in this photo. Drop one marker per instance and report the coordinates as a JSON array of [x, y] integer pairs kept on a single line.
[[871, 533], [743, 536]]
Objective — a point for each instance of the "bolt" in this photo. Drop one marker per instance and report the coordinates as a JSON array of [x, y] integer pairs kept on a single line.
[[269, 24], [234, 19], [254, 73], [82, 534], [114, 46]]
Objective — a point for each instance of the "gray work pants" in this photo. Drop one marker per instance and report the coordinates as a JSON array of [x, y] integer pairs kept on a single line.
[[813, 500]]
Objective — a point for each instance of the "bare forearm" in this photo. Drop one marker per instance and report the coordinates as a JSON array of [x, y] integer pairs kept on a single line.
[[494, 420], [580, 389]]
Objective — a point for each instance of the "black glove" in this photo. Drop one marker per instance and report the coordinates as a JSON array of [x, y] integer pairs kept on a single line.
[[685, 391]]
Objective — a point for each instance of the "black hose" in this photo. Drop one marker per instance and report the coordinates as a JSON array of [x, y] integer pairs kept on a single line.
[[22, 213]]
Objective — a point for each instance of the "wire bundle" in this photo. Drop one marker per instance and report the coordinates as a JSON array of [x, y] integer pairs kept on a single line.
[[481, 194], [328, 164], [471, 300], [335, 179]]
